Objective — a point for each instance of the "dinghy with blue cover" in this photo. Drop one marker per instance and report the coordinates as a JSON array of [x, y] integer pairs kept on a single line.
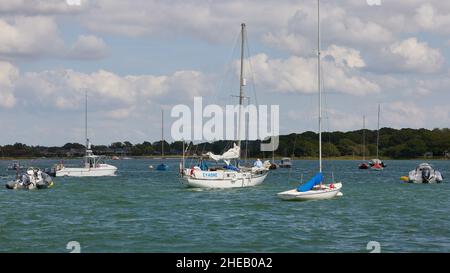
[[314, 189]]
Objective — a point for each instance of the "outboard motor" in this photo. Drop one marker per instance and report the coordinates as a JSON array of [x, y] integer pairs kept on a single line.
[[426, 173]]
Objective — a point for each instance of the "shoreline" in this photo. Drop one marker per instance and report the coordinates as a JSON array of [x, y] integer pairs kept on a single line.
[[277, 159]]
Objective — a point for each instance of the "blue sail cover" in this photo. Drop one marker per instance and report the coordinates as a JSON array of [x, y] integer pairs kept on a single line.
[[203, 166], [231, 167], [311, 183]]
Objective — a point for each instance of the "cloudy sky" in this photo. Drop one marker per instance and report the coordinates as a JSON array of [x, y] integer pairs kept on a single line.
[[137, 57]]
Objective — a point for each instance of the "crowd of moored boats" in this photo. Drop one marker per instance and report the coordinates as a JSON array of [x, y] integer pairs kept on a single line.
[[229, 173]]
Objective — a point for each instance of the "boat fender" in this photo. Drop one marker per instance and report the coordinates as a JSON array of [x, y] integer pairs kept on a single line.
[[331, 186]]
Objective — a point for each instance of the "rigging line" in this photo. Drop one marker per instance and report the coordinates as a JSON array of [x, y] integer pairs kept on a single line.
[[227, 71], [252, 73]]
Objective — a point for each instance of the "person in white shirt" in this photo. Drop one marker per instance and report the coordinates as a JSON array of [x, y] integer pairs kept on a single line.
[[258, 163]]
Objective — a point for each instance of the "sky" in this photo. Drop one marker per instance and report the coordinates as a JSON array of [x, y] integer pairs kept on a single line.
[[138, 57]]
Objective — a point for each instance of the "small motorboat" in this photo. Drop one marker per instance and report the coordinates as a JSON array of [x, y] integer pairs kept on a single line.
[[363, 166], [313, 190], [376, 164], [425, 173], [162, 167], [285, 163], [34, 178], [115, 157]]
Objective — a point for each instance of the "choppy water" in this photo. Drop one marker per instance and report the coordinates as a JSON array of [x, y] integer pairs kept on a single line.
[[141, 210]]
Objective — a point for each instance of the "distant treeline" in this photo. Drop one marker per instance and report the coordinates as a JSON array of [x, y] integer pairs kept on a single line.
[[404, 143]]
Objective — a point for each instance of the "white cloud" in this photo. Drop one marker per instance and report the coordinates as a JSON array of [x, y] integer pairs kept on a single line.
[[8, 76], [65, 89], [29, 36], [402, 114], [299, 75], [412, 55], [345, 56], [39, 36], [121, 113], [41, 7], [292, 42], [428, 18], [88, 47]]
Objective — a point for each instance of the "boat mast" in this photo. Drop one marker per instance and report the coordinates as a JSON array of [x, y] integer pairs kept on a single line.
[[86, 119], [162, 133], [319, 85], [86, 127], [378, 129], [273, 145], [241, 85], [364, 138]]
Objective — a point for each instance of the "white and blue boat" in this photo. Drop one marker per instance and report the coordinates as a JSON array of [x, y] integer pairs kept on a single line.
[[315, 189]]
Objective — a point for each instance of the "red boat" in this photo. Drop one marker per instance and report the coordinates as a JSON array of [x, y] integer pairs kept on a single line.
[[377, 167], [363, 166]]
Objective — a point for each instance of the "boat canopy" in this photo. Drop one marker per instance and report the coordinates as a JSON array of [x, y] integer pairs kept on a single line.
[[311, 183], [232, 153]]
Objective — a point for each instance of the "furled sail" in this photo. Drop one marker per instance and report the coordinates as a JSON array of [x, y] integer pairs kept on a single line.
[[232, 153]]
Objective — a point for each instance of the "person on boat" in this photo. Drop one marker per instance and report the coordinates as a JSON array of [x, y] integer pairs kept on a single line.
[[258, 163]]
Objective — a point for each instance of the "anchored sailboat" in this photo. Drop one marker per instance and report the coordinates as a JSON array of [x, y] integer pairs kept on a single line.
[[228, 175], [363, 165], [376, 164], [162, 166], [314, 189], [93, 164]]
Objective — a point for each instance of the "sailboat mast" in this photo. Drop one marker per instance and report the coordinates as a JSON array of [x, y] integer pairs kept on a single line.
[[162, 133], [378, 129], [86, 118], [86, 126], [319, 85], [241, 85], [364, 137]]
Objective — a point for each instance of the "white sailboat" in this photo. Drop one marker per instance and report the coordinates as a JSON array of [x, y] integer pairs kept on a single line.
[[162, 166], [227, 176], [363, 165], [314, 189], [93, 164], [376, 164]]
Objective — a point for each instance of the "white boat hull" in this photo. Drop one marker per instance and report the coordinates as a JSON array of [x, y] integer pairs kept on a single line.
[[327, 193], [236, 180], [102, 170], [431, 176]]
